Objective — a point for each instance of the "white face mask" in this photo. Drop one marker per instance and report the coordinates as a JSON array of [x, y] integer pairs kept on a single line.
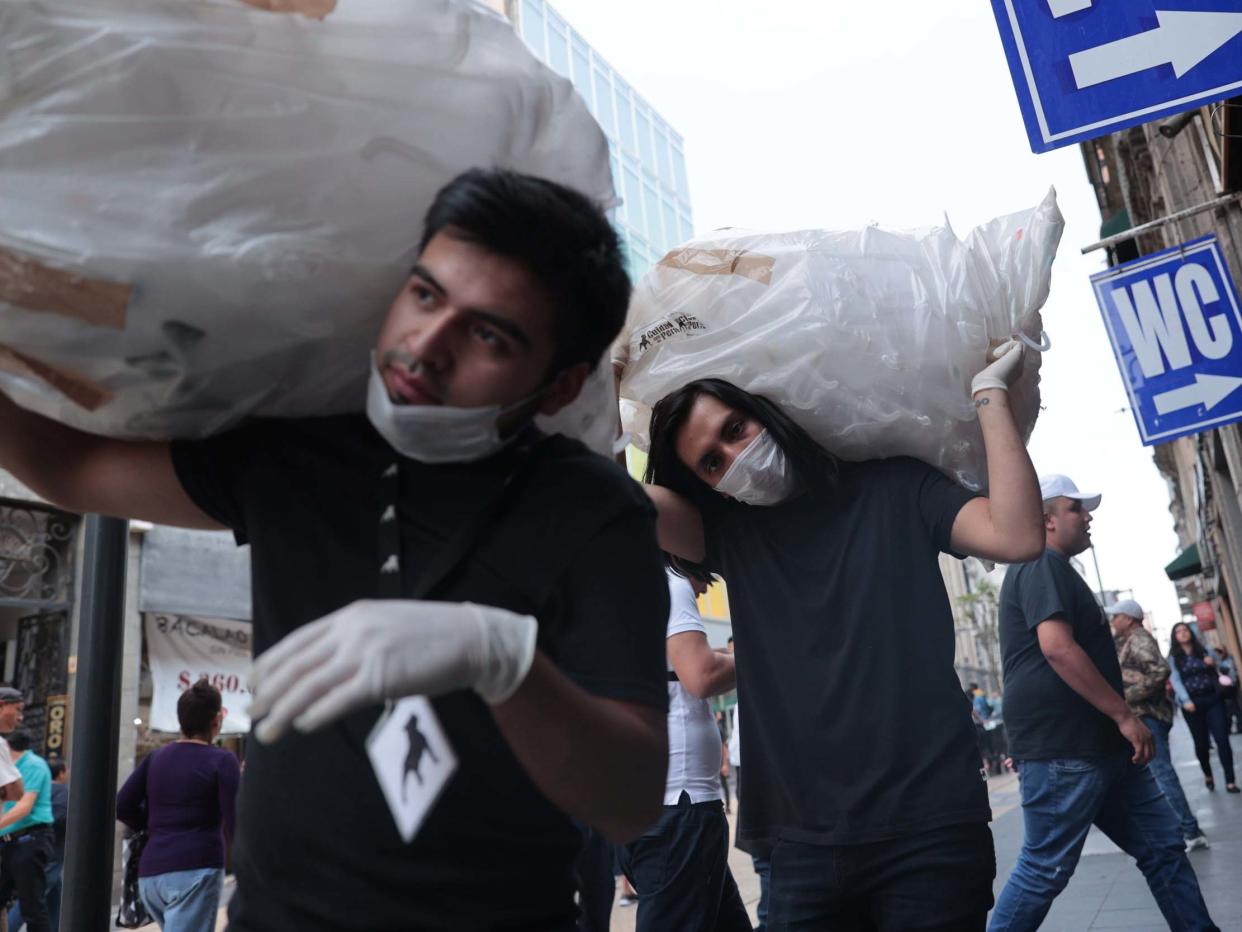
[[437, 433], [760, 475]]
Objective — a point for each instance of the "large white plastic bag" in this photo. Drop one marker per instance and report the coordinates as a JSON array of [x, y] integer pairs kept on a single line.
[[257, 180], [867, 338]]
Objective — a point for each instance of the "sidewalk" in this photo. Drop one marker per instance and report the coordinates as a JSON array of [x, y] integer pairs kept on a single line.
[[1107, 891]]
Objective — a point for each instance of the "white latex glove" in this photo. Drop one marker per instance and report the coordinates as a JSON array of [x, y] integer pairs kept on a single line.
[[1001, 373], [372, 651]]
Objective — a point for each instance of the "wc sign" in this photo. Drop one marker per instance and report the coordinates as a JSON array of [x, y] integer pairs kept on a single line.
[[1176, 331]]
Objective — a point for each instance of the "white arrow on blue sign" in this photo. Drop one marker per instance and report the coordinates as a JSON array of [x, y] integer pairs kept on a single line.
[[1176, 329], [1086, 68]]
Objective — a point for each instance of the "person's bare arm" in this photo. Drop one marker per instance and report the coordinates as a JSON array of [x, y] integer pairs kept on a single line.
[[11, 792], [19, 811], [87, 474], [1071, 663], [679, 526], [1008, 525], [702, 671], [602, 761]]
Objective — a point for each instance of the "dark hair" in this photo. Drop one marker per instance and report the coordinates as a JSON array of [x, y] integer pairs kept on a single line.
[[1175, 649], [559, 235], [20, 741], [57, 766], [814, 465], [196, 708]]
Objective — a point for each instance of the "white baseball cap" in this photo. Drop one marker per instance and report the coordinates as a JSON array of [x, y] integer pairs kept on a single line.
[[1055, 485], [1125, 607]]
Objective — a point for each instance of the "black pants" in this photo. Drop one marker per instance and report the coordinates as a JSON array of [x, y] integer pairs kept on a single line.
[[23, 868], [937, 880], [680, 870], [596, 881], [1209, 717]]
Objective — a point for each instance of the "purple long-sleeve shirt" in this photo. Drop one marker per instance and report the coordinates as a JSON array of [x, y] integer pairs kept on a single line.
[[190, 791]]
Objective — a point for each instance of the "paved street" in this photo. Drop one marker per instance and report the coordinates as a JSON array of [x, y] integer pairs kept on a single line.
[[1107, 891]]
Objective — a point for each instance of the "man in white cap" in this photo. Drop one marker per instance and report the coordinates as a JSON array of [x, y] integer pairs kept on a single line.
[[1145, 673], [1079, 750]]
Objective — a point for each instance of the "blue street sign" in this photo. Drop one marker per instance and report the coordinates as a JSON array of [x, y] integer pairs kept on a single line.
[[1176, 329], [1086, 68]]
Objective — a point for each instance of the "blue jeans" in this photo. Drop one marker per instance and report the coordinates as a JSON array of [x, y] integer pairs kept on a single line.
[[1161, 768], [54, 869], [1061, 799], [183, 901]]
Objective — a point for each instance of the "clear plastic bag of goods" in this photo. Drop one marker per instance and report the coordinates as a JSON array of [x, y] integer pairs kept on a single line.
[[209, 205], [867, 338]]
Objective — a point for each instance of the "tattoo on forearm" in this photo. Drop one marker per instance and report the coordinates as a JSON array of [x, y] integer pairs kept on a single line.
[[980, 402]]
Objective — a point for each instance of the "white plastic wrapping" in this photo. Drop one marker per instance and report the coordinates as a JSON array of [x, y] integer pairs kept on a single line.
[[208, 208], [867, 338]]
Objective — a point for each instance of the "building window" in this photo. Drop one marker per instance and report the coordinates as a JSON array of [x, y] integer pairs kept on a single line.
[[672, 229], [558, 46], [679, 172], [532, 27], [582, 73], [646, 149], [665, 163], [634, 199], [603, 103], [651, 202], [625, 117]]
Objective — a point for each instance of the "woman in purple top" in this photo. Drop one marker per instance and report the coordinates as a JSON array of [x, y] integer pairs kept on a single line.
[[183, 794]]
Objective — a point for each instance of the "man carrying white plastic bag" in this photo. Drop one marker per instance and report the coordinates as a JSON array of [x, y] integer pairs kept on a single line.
[[501, 589], [864, 788]]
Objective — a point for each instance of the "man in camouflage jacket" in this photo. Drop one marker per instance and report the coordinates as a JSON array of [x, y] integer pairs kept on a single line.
[[1145, 674]]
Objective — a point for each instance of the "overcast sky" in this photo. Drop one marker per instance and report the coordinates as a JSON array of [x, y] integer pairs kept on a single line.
[[840, 113]]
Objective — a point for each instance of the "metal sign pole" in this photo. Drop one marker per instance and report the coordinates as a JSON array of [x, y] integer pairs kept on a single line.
[[91, 825]]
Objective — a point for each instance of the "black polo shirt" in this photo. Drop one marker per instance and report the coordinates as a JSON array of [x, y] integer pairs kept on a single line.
[[1044, 717], [316, 845], [854, 726]]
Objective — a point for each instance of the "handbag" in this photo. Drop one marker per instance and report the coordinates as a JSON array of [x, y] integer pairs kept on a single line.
[[132, 912]]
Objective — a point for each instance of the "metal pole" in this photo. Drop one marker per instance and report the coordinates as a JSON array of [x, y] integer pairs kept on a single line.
[[91, 825], [1099, 579], [1220, 202]]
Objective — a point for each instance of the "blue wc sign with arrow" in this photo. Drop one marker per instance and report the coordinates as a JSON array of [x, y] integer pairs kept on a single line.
[[1176, 330], [1086, 68]]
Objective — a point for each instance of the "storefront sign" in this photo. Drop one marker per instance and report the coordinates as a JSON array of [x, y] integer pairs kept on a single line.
[[183, 650], [57, 726]]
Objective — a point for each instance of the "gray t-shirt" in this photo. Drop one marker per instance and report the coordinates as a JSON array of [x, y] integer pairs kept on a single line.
[[1044, 717]]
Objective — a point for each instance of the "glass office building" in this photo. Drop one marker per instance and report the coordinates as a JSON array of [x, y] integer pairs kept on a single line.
[[648, 162]]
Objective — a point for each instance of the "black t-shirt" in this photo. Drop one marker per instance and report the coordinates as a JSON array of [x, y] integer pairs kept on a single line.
[[316, 846], [854, 724], [1044, 717]]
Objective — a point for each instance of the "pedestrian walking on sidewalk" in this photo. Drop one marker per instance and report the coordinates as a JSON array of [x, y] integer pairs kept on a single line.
[[863, 783], [184, 795], [1196, 673], [1145, 676], [1229, 693], [27, 837], [1080, 751], [680, 866]]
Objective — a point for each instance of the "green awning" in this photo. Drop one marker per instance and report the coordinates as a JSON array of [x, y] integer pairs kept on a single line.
[[1117, 223], [1186, 564]]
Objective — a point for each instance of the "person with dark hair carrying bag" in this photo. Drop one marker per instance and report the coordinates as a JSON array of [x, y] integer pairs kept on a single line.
[[183, 797]]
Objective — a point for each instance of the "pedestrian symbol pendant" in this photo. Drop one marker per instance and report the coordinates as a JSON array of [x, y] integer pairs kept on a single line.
[[412, 760]]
